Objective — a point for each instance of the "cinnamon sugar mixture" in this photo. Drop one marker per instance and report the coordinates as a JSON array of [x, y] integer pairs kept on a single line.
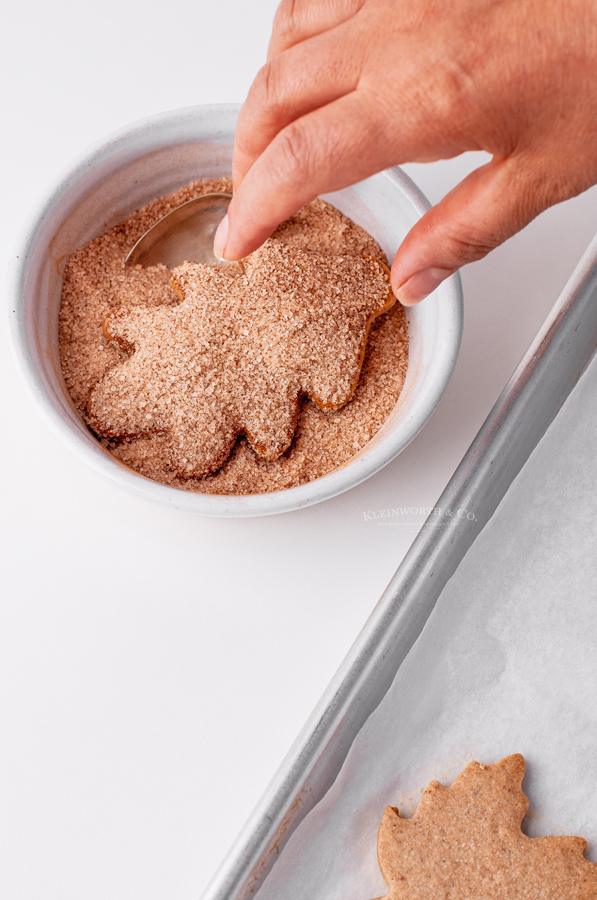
[[170, 385]]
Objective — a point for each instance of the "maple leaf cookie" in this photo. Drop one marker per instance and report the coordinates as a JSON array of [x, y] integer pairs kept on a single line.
[[236, 355], [464, 842]]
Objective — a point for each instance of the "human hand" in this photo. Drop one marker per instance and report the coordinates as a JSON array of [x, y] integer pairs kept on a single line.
[[352, 87]]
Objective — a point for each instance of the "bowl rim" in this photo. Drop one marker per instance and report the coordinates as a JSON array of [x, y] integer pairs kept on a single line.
[[356, 470]]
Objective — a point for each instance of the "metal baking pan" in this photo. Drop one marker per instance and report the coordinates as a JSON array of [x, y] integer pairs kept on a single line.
[[528, 404]]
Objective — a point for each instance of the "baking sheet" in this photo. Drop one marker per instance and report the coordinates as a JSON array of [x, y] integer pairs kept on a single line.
[[506, 663]]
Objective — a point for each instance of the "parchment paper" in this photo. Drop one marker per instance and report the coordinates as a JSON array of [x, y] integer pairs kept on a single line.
[[507, 663]]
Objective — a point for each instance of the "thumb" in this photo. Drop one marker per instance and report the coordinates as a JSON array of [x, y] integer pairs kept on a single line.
[[487, 207]]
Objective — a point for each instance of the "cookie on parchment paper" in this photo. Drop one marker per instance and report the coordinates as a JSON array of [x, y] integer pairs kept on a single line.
[[464, 842]]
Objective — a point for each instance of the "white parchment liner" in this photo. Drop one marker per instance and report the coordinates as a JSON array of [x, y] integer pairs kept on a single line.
[[507, 663]]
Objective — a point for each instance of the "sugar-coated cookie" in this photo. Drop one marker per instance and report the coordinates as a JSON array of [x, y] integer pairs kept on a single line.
[[236, 355]]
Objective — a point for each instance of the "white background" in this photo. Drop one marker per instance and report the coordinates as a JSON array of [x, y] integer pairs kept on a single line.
[[156, 667]]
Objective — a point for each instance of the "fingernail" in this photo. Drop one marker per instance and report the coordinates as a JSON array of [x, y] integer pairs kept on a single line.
[[221, 238], [420, 285]]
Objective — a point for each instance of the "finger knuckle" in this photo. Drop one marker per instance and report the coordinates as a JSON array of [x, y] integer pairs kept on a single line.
[[449, 89], [286, 22], [267, 91], [469, 243], [293, 157], [265, 88], [258, 113], [244, 144]]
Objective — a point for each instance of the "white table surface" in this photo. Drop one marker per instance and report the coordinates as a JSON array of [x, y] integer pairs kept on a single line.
[[155, 667]]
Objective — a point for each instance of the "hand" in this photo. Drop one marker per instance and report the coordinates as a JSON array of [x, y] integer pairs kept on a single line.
[[354, 86]]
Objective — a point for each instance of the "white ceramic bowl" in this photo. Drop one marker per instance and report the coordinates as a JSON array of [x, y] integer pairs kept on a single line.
[[154, 157]]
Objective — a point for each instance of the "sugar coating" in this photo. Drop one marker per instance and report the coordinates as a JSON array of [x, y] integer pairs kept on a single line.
[[464, 842], [97, 286], [236, 354]]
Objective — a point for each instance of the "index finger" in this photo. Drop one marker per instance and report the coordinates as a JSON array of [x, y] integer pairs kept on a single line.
[[293, 84], [328, 149]]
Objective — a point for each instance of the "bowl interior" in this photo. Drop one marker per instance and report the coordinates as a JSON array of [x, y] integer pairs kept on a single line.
[[155, 158]]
